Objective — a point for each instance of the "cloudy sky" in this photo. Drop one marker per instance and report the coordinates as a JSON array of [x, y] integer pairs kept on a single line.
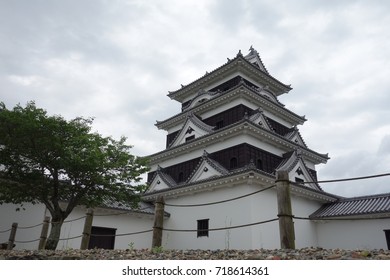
[[117, 60]]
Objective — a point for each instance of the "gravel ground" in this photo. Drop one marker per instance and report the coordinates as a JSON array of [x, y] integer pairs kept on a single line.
[[261, 254]]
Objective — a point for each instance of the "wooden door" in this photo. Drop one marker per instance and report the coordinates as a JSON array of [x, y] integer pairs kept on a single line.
[[102, 238]]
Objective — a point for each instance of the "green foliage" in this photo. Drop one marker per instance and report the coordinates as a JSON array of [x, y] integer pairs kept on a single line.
[[157, 249], [131, 246], [47, 159]]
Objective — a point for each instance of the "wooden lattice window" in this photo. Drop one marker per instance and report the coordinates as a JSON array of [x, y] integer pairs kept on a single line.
[[219, 124], [203, 228], [189, 138], [181, 177], [233, 163], [299, 180], [259, 164]]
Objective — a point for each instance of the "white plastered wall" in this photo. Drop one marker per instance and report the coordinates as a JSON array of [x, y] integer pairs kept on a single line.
[[31, 216], [360, 234]]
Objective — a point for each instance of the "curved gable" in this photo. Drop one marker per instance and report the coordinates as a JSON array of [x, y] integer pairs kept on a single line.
[[193, 128], [297, 170], [200, 98]]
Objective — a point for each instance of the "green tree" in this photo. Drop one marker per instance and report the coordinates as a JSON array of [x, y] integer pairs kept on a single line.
[[62, 164]]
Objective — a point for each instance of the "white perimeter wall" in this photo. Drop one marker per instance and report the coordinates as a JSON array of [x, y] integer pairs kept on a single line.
[[362, 234], [251, 209], [34, 215], [227, 214], [31, 216], [305, 230], [124, 223]]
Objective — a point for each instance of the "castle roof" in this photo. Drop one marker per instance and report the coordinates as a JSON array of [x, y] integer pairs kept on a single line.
[[249, 174], [243, 90], [250, 65], [243, 126]]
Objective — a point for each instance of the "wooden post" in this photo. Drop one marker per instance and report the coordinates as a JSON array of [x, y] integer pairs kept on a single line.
[[44, 231], [286, 223], [158, 222], [11, 239], [87, 230]]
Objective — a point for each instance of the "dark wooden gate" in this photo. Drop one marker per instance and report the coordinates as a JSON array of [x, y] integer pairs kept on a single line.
[[102, 238], [387, 234]]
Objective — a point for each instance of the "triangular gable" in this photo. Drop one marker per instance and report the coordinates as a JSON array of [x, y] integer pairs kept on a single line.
[[297, 170], [296, 137], [207, 168], [259, 119], [193, 128], [161, 181], [254, 58]]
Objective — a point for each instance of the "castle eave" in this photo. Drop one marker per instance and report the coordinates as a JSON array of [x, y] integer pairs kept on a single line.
[[242, 91], [247, 175], [239, 128], [237, 64]]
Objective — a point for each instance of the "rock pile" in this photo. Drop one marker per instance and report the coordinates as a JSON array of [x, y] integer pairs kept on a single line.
[[260, 254]]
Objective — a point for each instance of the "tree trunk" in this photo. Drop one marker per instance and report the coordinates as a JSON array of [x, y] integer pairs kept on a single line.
[[52, 241]]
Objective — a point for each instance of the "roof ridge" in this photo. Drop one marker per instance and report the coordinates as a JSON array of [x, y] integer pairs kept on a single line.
[[364, 197], [239, 56], [255, 53]]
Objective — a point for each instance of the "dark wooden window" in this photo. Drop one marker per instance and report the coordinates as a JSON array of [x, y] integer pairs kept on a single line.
[[203, 228], [229, 116], [313, 173], [244, 153], [219, 124], [232, 83], [189, 138], [299, 180], [171, 137], [185, 104], [233, 163], [278, 128], [181, 177], [102, 238], [259, 164]]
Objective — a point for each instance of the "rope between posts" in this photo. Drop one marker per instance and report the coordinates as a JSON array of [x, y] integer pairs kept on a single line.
[[224, 228], [122, 234], [29, 241], [221, 201], [30, 226], [4, 231], [69, 238], [348, 179]]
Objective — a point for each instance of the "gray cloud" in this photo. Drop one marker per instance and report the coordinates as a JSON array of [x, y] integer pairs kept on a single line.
[[117, 60], [384, 147]]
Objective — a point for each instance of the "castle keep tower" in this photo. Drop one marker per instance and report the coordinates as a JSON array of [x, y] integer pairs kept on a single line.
[[230, 137], [231, 121]]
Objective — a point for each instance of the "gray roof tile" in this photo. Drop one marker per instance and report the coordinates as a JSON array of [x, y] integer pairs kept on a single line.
[[363, 205]]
